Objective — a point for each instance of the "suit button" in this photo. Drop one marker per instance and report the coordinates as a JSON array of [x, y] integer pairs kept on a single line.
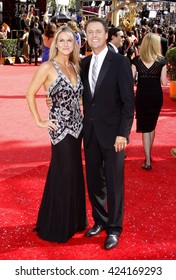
[[93, 104]]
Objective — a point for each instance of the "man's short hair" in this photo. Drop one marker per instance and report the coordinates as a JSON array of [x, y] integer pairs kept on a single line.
[[113, 31], [97, 19]]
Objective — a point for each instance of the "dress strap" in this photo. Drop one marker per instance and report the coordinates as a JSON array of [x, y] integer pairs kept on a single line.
[[56, 66]]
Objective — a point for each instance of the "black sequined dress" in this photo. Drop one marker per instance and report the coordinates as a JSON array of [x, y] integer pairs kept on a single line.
[[62, 211]]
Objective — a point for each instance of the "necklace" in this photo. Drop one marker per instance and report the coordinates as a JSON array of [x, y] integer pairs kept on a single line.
[[67, 68]]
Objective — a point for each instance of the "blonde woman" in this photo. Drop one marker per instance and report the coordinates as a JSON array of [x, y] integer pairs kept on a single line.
[[151, 69], [62, 212]]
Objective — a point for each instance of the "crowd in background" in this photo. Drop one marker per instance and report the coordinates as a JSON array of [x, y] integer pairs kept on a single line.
[[131, 43], [37, 43]]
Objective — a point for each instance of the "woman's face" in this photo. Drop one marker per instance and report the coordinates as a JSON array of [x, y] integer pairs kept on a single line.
[[65, 43]]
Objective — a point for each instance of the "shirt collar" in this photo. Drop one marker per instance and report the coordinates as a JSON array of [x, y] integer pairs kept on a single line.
[[114, 47], [102, 54]]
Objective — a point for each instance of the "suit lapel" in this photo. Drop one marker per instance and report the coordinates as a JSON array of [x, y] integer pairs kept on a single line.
[[86, 74], [103, 71]]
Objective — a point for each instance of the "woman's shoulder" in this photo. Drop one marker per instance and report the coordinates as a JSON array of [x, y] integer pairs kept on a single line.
[[46, 66], [44, 71]]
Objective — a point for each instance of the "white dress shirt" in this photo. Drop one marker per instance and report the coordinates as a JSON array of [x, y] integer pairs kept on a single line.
[[101, 57]]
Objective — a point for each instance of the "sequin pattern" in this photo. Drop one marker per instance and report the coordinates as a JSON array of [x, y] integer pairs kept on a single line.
[[66, 106]]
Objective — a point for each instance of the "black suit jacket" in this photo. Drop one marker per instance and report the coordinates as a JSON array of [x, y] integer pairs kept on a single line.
[[164, 45], [111, 110], [110, 47], [35, 37]]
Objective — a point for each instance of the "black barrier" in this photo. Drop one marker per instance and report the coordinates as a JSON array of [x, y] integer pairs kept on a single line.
[[16, 34]]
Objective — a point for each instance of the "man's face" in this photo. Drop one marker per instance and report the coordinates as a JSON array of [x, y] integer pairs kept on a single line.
[[119, 39], [96, 36]]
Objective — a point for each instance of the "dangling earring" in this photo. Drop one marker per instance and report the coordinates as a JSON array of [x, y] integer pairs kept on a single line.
[[56, 49]]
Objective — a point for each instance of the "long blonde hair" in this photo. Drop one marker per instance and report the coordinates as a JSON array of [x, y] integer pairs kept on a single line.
[[150, 49], [74, 56]]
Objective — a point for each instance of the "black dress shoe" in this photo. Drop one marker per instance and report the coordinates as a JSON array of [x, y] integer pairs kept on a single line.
[[111, 241], [95, 230]]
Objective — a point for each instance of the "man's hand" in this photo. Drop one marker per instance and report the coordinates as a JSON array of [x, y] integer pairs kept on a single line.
[[120, 143]]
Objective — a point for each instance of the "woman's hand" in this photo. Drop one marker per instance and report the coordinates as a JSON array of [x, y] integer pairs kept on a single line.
[[120, 143], [50, 124]]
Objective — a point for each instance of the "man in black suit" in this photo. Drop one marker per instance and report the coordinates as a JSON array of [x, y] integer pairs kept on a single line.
[[34, 40], [115, 39], [164, 41], [108, 117]]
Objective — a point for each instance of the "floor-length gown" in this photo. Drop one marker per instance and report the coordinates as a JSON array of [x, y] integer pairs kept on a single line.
[[149, 95], [62, 211]]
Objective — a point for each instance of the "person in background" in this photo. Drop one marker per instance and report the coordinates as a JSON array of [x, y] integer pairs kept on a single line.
[[151, 68], [24, 21], [164, 41], [171, 38], [130, 44], [40, 26], [3, 32], [73, 25], [108, 105], [115, 39], [31, 15], [22, 10], [62, 211], [83, 39], [25, 46], [47, 40], [144, 31], [83, 21], [34, 40], [115, 42], [45, 21]]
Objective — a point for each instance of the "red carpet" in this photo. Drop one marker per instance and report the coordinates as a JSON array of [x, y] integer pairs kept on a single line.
[[150, 213]]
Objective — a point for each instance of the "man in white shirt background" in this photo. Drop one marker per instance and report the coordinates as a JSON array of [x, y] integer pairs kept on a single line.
[[115, 39]]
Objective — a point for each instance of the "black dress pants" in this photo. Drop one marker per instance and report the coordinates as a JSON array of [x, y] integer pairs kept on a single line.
[[106, 191], [33, 49]]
